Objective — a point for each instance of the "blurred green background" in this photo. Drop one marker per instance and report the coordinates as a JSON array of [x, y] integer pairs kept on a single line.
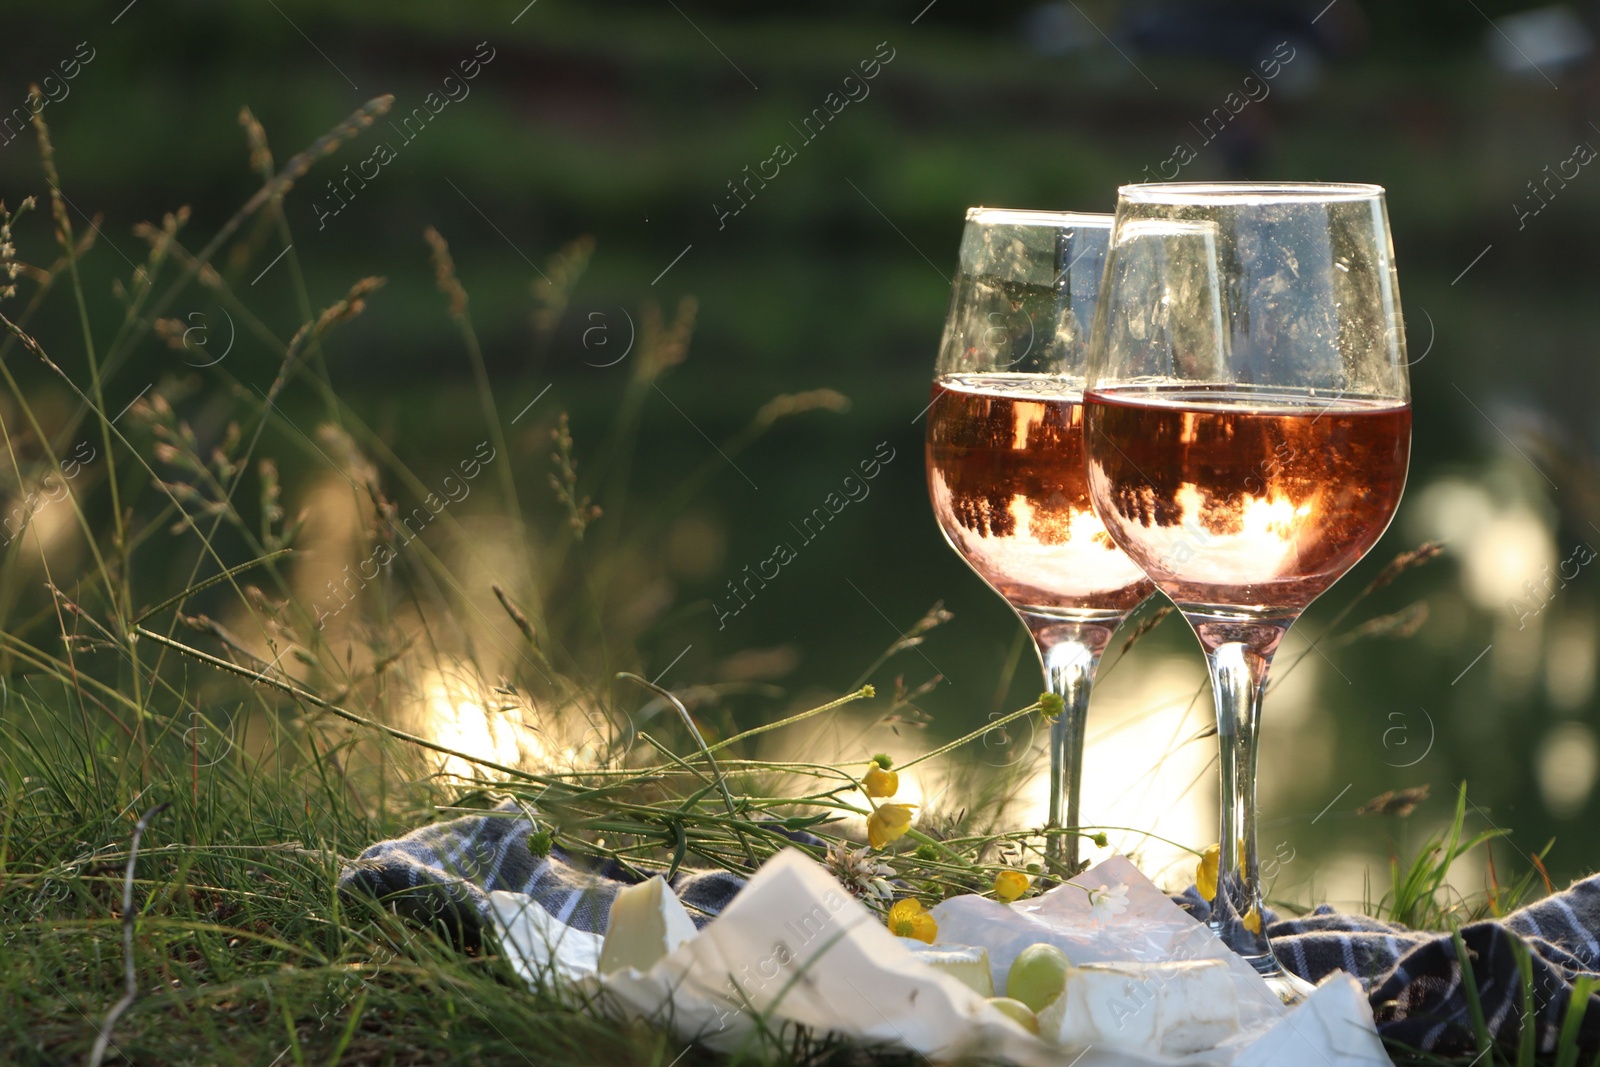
[[627, 121]]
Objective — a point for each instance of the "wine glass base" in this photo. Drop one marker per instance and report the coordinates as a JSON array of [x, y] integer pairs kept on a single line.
[[1291, 989]]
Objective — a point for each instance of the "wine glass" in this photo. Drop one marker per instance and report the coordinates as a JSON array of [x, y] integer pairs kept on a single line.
[[1248, 427], [1005, 460]]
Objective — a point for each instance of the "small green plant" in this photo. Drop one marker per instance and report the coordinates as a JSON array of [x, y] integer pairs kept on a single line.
[[1419, 896]]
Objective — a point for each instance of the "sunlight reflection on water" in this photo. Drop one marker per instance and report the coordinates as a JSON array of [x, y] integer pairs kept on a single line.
[[457, 715], [455, 708]]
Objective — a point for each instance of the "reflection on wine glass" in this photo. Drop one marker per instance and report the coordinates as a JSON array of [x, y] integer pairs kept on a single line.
[[1005, 458], [1248, 428]]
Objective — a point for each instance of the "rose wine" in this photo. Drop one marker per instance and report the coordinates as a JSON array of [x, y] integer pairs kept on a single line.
[[1007, 480], [1245, 499]]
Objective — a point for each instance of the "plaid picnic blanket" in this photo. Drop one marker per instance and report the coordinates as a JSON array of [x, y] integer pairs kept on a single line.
[[442, 874], [1415, 983]]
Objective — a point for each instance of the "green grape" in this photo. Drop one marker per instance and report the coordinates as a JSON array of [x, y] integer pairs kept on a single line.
[[1017, 1010], [1038, 975]]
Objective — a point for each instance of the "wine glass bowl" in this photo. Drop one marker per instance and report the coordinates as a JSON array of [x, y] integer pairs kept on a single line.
[[1006, 479], [1024, 293], [1006, 471], [1247, 428], [1246, 501]]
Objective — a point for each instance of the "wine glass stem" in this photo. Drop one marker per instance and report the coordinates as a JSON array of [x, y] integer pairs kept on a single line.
[[1069, 653], [1069, 672], [1238, 680]]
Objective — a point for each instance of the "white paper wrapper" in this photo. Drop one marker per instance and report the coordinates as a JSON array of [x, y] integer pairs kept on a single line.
[[795, 949], [1152, 930]]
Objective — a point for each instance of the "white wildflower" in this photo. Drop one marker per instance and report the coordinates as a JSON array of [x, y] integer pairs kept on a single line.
[[1107, 902]]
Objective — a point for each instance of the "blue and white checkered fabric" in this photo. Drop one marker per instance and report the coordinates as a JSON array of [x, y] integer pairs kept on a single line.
[[1414, 981], [443, 874]]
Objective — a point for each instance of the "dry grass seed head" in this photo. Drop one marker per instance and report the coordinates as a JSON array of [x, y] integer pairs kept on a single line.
[[553, 289], [444, 272], [256, 135], [663, 346]]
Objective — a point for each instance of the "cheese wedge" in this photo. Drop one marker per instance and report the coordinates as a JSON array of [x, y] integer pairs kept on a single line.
[[967, 964], [647, 922], [1166, 1008]]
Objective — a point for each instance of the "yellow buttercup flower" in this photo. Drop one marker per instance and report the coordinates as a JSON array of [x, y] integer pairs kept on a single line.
[[888, 822], [908, 918], [1009, 885], [880, 781], [1205, 876], [1252, 920]]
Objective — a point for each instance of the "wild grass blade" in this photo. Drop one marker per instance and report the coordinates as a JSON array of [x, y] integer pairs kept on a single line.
[[1528, 1018], [1583, 988], [1469, 987], [216, 579]]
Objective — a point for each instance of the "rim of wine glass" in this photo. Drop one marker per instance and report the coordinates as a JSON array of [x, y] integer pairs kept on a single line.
[[1247, 192], [1005, 216]]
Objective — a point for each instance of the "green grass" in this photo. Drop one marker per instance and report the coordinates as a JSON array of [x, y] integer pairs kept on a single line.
[[167, 665], [163, 658], [1419, 897], [243, 950]]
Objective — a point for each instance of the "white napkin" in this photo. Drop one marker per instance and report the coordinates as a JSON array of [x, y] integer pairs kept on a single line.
[[794, 948]]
